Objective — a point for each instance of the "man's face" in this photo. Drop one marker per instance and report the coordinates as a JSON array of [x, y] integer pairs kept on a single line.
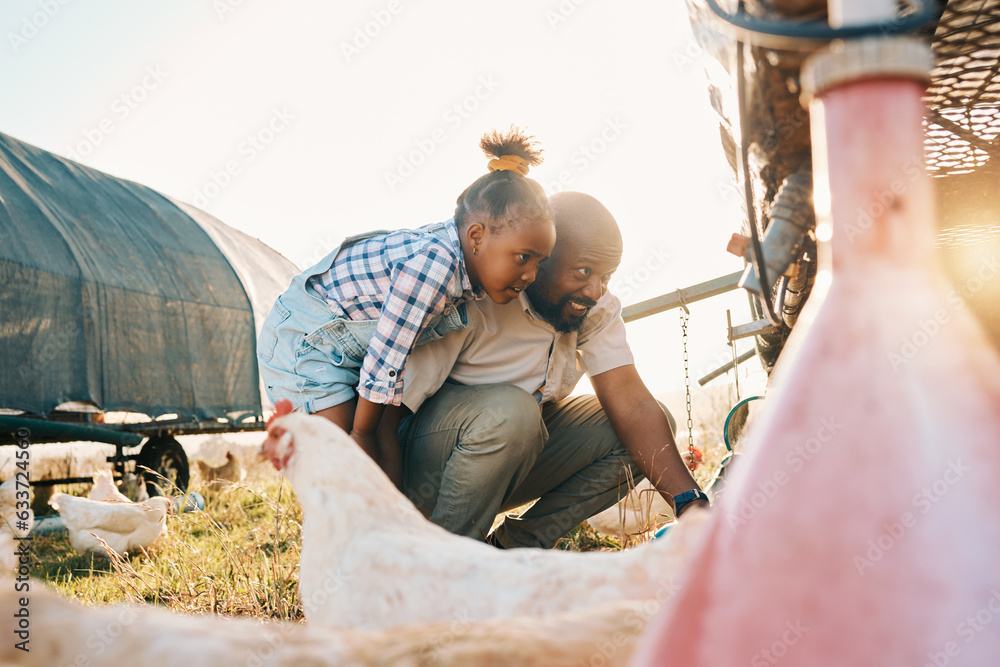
[[572, 280]]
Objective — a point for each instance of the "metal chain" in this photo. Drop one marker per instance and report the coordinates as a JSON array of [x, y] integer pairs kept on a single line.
[[685, 315]]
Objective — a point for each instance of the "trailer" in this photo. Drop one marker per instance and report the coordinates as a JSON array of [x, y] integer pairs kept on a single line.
[[126, 317]]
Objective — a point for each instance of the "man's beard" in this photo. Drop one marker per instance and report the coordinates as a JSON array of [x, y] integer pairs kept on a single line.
[[553, 312]]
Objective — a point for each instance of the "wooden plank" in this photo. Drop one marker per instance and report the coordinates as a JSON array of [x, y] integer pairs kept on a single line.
[[674, 299]]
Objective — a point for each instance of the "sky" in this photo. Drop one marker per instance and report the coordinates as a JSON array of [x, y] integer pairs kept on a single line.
[[304, 121]]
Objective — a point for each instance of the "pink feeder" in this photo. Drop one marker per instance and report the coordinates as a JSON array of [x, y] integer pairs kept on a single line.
[[863, 525]]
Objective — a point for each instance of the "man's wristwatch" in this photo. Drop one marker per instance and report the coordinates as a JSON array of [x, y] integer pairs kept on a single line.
[[682, 499]]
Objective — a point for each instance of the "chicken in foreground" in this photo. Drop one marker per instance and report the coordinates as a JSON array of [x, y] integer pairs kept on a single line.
[[126, 527], [66, 633], [371, 560]]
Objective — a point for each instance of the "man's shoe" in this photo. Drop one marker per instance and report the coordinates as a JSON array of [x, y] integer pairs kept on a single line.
[[492, 540]]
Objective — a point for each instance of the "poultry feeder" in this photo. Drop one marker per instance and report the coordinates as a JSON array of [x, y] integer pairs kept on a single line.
[[860, 526]]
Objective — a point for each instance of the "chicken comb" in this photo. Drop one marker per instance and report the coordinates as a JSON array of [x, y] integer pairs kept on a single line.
[[281, 408]]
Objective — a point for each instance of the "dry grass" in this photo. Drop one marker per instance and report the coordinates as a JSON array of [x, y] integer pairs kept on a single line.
[[238, 556]]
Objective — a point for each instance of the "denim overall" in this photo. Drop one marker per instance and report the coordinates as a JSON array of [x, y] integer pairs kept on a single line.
[[312, 357]]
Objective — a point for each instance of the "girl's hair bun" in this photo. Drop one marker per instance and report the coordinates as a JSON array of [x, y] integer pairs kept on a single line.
[[514, 141], [505, 191]]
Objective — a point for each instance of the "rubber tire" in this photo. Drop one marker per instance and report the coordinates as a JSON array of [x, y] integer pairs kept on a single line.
[[164, 456]]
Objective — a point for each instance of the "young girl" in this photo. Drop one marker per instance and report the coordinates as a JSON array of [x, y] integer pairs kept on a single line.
[[336, 342]]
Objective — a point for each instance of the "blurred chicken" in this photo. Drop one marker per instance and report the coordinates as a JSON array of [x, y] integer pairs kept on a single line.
[[104, 489], [125, 526], [133, 487], [641, 511], [16, 519], [371, 560], [67, 633], [229, 472], [8, 553]]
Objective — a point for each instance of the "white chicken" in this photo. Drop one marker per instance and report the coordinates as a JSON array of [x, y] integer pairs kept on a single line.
[[66, 633], [126, 527], [642, 510], [371, 560], [16, 518], [104, 489]]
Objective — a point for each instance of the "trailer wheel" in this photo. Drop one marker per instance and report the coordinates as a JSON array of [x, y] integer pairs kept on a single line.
[[165, 457]]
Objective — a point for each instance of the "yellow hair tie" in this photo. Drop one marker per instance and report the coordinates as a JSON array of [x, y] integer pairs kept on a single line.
[[510, 163]]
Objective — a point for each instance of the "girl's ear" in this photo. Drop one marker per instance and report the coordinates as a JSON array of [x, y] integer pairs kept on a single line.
[[474, 233]]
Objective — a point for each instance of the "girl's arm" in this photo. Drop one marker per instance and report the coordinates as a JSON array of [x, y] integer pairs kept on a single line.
[[366, 418], [374, 429], [387, 435]]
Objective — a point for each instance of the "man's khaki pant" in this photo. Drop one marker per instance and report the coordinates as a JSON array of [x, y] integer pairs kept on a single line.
[[471, 452]]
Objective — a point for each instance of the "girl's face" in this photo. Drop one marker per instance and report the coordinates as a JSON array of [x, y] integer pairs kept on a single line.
[[504, 262]]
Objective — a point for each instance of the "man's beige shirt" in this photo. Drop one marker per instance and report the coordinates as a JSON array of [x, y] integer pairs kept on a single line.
[[511, 344]]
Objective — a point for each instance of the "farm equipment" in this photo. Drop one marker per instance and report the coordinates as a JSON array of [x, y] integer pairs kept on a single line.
[[886, 369], [767, 136], [128, 318]]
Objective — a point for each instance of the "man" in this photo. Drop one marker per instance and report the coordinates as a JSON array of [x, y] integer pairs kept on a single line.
[[502, 431]]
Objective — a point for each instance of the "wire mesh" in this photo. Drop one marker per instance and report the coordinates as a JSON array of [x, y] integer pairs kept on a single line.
[[964, 95]]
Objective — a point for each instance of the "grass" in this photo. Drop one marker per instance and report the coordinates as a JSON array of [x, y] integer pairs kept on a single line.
[[238, 556], [585, 538]]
